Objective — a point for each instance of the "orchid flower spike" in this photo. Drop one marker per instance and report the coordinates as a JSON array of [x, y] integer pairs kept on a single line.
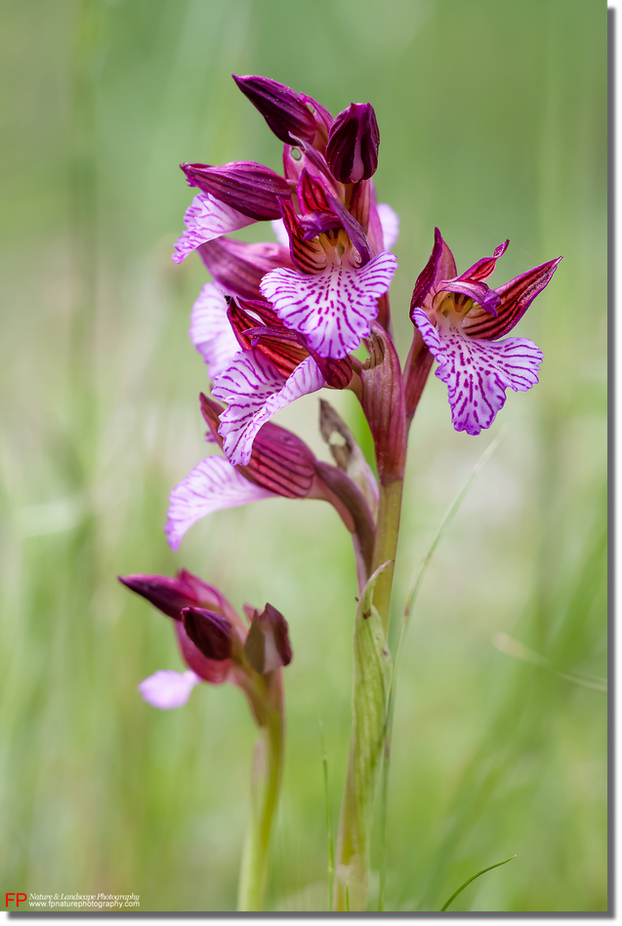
[[461, 319]]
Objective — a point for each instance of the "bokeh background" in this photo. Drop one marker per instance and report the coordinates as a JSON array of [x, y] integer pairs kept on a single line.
[[493, 125]]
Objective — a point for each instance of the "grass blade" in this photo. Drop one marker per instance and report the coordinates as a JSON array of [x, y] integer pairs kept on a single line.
[[329, 822], [466, 883]]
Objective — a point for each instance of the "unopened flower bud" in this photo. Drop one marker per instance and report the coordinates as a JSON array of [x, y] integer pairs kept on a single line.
[[352, 149], [267, 645], [210, 632]]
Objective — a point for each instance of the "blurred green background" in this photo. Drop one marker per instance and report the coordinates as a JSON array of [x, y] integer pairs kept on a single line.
[[493, 125]]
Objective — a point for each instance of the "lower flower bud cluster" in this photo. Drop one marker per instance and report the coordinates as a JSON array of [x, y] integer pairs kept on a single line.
[[215, 643]]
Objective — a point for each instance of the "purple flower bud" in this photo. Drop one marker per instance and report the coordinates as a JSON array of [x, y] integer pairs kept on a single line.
[[210, 632], [251, 188], [352, 149], [171, 596], [291, 116], [267, 645]]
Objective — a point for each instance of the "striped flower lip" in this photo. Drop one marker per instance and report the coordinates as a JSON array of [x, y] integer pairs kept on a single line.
[[461, 318]]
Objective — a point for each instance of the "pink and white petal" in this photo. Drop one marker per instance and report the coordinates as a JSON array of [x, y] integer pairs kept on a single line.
[[255, 390], [334, 308], [477, 372], [167, 689], [390, 222], [207, 218], [210, 330], [212, 485]]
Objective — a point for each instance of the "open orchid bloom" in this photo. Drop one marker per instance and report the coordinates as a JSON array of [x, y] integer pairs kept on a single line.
[[214, 642], [460, 319], [327, 288]]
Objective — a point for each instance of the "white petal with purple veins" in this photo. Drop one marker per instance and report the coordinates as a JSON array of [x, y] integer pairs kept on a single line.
[[390, 222], [333, 308], [207, 218], [212, 485], [210, 331], [477, 372], [255, 390], [167, 689]]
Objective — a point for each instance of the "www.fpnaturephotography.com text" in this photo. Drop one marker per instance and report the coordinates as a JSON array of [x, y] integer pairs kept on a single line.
[[84, 901]]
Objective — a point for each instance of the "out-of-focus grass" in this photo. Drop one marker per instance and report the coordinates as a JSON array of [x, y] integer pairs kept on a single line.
[[493, 125]]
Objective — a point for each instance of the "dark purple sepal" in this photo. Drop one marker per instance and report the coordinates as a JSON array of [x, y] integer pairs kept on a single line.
[[515, 298], [353, 141], [267, 645], [280, 462], [290, 115], [383, 402], [239, 267], [171, 596], [210, 632], [251, 188], [441, 266]]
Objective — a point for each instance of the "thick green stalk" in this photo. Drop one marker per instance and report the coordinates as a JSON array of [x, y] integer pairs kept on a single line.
[[385, 547], [266, 780], [372, 670]]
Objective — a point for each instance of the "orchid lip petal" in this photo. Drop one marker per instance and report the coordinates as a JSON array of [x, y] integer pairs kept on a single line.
[[213, 484], [207, 218], [167, 689], [255, 390], [477, 372], [210, 331], [334, 308]]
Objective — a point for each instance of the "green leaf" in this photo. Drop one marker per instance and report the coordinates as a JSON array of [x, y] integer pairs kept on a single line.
[[466, 883]]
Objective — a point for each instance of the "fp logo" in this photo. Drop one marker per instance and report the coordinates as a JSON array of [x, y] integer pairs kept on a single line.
[[15, 898]]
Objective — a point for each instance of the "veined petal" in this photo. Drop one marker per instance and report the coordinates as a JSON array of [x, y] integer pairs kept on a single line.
[[255, 390], [333, 309], [207, 218], [441, 266], [211, 486], [167, 689], [390, 222], [210, 331], [477, 373]]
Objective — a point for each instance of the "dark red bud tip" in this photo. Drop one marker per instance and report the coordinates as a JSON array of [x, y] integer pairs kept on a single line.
[[352, 149], [267, 645], [210, 632], [170, 596], [285, 111]]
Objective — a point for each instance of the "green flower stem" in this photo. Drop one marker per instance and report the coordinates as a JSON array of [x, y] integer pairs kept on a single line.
[[372, 671], [385, 547], [266, 781]]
